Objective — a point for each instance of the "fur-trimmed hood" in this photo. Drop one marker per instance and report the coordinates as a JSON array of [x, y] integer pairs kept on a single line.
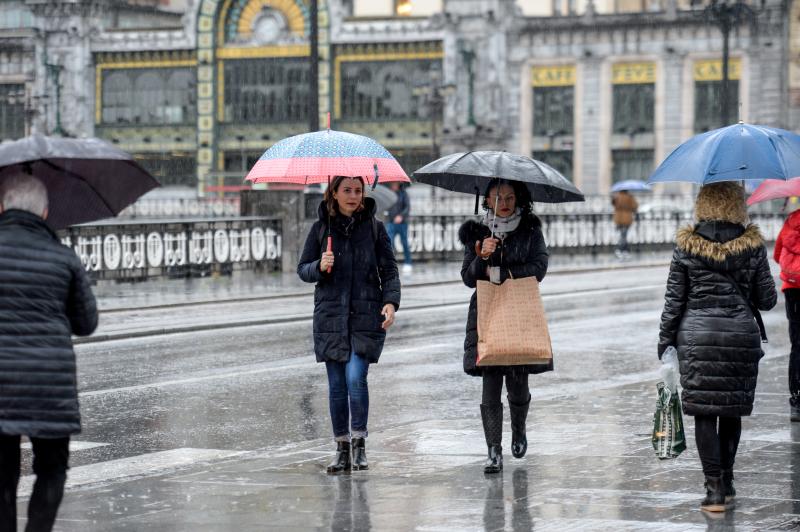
[[472, 230], [712, 240]]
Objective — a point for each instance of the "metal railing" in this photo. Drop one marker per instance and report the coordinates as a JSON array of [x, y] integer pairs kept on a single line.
[[176, 248], [436, 237]]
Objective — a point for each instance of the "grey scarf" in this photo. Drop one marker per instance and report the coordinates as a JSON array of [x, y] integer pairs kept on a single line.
[[502, 226]]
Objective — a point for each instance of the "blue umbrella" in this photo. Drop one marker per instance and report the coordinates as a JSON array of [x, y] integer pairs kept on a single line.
[[734, 153], [631, 185]]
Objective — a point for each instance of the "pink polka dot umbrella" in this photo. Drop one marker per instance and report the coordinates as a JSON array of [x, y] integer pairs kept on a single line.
[[318, 156]]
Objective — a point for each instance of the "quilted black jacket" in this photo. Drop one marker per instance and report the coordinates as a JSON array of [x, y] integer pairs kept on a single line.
[[44, 298], [364, 278], [718, 341]]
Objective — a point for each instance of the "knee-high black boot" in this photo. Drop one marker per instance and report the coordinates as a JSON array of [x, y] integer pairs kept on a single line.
[[519, 440], [492, 416]]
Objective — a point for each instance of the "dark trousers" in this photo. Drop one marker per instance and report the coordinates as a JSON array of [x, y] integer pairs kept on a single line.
[[348, 397], [792, 296], [717, 445], [50, 462], [516, 386]]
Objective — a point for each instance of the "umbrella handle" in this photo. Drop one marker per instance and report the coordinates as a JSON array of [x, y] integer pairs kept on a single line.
[[496, 201], [375, 168], [330, 248]]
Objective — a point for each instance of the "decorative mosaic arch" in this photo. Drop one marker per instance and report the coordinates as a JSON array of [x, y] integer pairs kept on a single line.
[[216, 19], [238, 16]]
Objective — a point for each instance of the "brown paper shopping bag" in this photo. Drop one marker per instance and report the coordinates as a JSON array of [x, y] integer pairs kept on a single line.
[[512, 327]]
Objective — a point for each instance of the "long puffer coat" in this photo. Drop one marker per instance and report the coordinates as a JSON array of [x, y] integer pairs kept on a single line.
[[44, 298], [348, 301], [523, 253], [718, 341]]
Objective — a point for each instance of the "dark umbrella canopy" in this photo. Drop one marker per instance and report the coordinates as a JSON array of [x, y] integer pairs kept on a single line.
[[471, 172], [86, 179]]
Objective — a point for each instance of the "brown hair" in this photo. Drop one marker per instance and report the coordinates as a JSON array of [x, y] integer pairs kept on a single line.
[[331, 203], [721, 202]]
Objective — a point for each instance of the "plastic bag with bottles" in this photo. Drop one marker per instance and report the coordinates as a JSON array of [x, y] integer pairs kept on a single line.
[[669, 436]]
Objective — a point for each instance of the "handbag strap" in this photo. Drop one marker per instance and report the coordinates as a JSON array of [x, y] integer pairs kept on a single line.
[[749, 304]]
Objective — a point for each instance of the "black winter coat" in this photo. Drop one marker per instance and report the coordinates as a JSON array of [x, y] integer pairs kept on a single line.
[[523, 253], [348, 301], [44, 298], [717, 339]]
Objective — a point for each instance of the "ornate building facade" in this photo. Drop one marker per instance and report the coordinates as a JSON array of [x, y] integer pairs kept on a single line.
[[600, 89]]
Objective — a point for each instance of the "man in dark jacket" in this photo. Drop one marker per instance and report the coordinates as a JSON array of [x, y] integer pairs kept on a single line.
[[397, 222], [719, 274], [44, 298]]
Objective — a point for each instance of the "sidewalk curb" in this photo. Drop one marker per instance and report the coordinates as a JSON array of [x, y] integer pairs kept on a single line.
[[295, 318], [557, 271]]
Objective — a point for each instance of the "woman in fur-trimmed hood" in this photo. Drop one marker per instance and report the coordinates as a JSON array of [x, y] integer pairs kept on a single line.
[[706, 318], [518, 250]]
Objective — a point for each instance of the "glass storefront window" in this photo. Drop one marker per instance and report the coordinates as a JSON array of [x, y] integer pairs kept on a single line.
[[273, 90], [149, 96]]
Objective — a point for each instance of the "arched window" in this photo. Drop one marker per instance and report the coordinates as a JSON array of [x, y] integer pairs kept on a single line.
[[117, 97], [150, 97], [180, 98]]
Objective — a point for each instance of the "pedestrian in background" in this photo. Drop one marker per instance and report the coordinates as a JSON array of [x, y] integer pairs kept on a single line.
[[45, 298], [397, 217], [357, 293], [517, 250], [787, 255], [718, 280], [625, 207]]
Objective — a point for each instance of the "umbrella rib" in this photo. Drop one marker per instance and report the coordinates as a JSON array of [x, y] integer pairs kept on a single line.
[[76, 176]]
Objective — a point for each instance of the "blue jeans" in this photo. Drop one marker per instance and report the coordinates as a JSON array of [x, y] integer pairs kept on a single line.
[[348, 397], [402, 230]]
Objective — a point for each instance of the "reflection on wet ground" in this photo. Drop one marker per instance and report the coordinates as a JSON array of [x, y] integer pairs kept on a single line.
[[229, 430]]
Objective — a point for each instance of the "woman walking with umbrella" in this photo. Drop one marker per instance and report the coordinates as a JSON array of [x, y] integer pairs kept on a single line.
[[347, 254], [357, 294], [719, 280], [507, 243]]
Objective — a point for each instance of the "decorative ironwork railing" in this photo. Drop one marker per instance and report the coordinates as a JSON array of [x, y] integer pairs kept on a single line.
[[432, 237], [176, 248], [179, 248]]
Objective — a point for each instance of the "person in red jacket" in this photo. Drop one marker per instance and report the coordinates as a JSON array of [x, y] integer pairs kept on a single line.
[[787, 255]]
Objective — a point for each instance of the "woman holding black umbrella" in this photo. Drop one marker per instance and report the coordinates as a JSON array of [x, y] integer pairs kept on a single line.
[[507, 243]]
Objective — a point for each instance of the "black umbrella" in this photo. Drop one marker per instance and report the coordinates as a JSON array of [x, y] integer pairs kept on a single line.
[[471, 172], [86, 179]]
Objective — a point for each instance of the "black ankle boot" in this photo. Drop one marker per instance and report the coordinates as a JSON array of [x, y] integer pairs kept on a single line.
[[715, 495], [341, 461], [360, 454], [492, 416], [519, 440], [727, 485]]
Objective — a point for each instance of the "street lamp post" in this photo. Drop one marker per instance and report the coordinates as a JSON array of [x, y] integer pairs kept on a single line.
[[727, 15], [313, 82]]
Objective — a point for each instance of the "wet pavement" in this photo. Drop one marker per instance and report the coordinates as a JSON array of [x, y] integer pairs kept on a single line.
[[228, 429]]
